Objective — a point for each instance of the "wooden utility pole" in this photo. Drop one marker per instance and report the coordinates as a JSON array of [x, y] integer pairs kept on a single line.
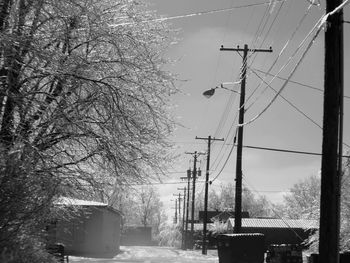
[[183, 241], [194, 177], [205, 217], [179, 204], [238, 189], [175, 220], [187, 205], [331, 167]]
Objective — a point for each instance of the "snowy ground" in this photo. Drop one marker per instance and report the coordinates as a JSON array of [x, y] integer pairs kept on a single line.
[[143, 254]]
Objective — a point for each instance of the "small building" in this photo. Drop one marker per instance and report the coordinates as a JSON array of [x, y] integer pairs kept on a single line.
[[137, 236], [277, 231], [90, 228]]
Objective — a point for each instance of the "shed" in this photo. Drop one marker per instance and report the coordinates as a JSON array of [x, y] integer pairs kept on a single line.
[[92, 229], [277, 231], [136, 236]]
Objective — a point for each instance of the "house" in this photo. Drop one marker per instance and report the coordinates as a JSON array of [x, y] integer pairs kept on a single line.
[[90, 228], [277, 231]]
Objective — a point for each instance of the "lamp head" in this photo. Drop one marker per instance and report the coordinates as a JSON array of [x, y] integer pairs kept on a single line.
[[208, 93]]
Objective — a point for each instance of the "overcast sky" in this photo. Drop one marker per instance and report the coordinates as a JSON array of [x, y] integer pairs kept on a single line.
[[199, 65]]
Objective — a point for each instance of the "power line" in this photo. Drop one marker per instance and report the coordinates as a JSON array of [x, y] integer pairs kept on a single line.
[[282, 51], [199, 13], [318, 26], [287, 151], [290, 103], [293, 81]]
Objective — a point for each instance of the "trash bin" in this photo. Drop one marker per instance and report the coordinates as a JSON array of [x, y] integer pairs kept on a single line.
[[57, 250], [343, 258], [285, 253], [313, 258], [241, 248]]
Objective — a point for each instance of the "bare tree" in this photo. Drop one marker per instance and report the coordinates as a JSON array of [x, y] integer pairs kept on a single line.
[[83, 102], [304, 202], [224, 200], [148, 207]]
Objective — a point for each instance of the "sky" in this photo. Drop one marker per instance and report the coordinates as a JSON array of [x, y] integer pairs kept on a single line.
[[292, 123]]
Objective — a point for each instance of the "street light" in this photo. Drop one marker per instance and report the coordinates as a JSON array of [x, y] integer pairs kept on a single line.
[[210, 92], [238, 179]]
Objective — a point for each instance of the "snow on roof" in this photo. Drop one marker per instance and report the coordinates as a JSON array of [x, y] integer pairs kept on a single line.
[[199, 226], [276, 223], [78, 202]]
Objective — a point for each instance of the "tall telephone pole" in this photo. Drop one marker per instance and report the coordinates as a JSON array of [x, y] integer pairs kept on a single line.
[[194, 177], [179, 198], [331, 166], [205, 218], [238, 192], [175, 220], [187, 206], [183, 241]]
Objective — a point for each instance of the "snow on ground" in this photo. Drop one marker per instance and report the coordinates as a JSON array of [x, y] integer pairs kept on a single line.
[[144, 254]]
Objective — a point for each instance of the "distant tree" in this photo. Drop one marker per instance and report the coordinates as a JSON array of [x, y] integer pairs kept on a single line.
[[303, 201], [224, 199], [83, 98], [148, 206], [256, 206], [139, 206]]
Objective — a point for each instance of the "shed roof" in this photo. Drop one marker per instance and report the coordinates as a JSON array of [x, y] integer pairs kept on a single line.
[[73, 201], [275, 223], [67, 201]]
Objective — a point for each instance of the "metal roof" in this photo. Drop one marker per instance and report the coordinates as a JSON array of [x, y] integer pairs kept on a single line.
[[275, 223]]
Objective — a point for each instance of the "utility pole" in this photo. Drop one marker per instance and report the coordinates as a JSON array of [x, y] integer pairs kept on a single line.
[[238, 189], [331, 166], [175, 220], [179, 201], [205, 218], [187, 205], [194, 176], [183, 241], [179, 204]]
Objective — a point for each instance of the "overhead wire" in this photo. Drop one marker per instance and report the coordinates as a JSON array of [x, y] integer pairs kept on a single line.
[[222, 168], [232, 98], [258, 35], [224, 118], [289, 102], [317, 26], [259, 32], [262, 24], [295, 82], [199, 13], [266, 16], [267, 34], [284, 48], [296, 108], [275, 90]]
